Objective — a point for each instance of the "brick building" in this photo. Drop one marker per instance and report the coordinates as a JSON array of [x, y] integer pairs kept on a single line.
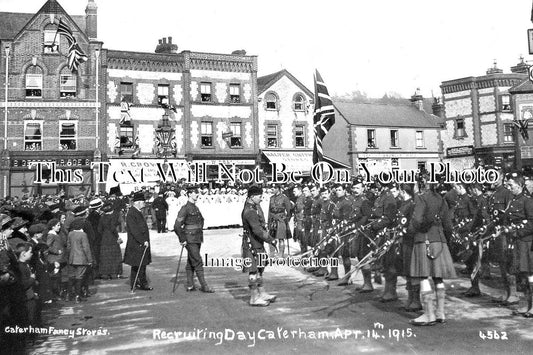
[[479, 119], [210, 104], [51, 111]]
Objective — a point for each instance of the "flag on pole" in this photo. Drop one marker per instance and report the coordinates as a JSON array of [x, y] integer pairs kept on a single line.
[[522, 126], [324, 116], [75, 54]]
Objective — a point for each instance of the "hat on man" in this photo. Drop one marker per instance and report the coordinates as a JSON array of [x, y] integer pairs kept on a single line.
[[96, 203], [254, 191], [79, 211], [5, 220], [36, 228], [138, 196], [115, 190], [18, 222]]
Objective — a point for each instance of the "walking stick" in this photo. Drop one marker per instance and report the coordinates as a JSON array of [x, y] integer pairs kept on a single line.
[[177, 271], [139, 269], [288, 247]]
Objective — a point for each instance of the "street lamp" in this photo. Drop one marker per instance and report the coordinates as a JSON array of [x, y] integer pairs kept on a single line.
[[164, 133]]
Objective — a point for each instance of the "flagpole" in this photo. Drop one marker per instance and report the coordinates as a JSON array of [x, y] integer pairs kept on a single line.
[[97, 136], [7, 50]]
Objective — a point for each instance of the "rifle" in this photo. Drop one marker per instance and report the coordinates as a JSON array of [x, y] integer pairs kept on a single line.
[[497, 232]]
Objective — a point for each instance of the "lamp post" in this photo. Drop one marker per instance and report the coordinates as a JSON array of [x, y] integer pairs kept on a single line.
[[164, 133], [97, 112], [7, 50]]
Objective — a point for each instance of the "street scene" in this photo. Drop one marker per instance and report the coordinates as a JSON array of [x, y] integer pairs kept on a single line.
[[290, 177]]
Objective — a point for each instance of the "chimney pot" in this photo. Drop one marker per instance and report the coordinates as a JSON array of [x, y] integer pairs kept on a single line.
[[164, 40], [160, 41], [170, 39]]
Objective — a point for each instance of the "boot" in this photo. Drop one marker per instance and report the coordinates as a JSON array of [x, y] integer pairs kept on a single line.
[[255, 298], [512, 296], [367, 282], [190, 280], [266, 296], [415, 304], [389, 294], [203, 287], [525, 302], [529, 296], [77, 288], [333, 275], [428, 318], [474, 290], [439, 314]]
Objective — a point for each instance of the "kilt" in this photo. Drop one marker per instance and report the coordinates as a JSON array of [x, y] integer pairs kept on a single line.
[[407, 251], [522, 258], [306, 238], [247, 253], [423, 266], [392, 260], [360, 246]]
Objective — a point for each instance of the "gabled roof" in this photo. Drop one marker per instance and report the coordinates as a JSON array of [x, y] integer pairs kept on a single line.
[[13, 23], [265, 82], [524, 87], [386, 115]]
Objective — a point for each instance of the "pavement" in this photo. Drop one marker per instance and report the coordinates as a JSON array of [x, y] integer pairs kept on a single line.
[[309, 316]]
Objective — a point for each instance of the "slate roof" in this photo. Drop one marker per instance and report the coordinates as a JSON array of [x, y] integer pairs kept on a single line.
[[266, 81], [387, 115], [525, 86]]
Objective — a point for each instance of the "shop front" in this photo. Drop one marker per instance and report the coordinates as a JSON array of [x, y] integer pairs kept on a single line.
[[50, 173]]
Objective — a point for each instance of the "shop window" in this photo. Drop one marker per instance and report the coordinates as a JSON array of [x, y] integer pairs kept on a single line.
[[371, 138], [235, 93], [394, 138], [299, 103], [67, 135], [272, 136], [205, 92], [207, 134], [127, 140], [271, 101], [67, 83], [34, 82], [505, 103], [508, 135], [236, 138], [299, 136], [419, 136], [162, 94], [126, 90], [460, 131], [50, 39], [33, 135]]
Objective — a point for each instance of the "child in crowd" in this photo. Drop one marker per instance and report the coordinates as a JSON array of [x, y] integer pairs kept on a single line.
[[24, 254]]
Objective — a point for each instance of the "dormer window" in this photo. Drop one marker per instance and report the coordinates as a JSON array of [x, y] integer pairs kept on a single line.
[[271, 101]]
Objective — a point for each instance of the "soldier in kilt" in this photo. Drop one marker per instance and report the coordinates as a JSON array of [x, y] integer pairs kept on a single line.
[[279, 210], [298, 213], [520, 240], [307, 219], [254, 235], [325, 229], [430, 226], [313, 221]]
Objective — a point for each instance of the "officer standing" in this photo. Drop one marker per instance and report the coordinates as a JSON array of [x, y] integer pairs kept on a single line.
[[160, 206], [254, 235], [189, 228], [278, 217]]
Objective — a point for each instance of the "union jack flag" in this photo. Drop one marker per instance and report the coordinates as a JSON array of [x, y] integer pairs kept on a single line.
[[75, 54], [522, 126], [323, 118]]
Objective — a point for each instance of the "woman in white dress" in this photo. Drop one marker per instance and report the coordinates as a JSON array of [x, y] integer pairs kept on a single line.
[[173, 209]]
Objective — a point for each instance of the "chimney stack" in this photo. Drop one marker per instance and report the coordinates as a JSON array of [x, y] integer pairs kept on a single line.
[[91, 20], [437, 107], [418, 100], [520, 67], [166, 47]]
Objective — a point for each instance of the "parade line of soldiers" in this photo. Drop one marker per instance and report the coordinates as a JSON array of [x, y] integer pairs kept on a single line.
[[418, 231]]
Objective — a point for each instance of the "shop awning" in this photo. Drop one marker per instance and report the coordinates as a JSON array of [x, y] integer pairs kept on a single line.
[[293, 160]]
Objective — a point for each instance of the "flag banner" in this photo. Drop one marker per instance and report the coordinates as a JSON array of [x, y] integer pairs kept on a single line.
[[75, 54], [324, 116], [125, 117], [522, 126]]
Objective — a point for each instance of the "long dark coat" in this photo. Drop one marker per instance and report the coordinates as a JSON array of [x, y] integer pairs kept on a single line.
[[110, 253], [138, 233]]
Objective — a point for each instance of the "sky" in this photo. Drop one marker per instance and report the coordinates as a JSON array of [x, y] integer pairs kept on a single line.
[[374, 46]]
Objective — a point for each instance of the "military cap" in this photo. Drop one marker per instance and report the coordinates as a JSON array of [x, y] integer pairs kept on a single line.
[[254, 190]]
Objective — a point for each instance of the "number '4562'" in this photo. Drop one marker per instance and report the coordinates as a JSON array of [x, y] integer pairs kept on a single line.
[[493, 335]]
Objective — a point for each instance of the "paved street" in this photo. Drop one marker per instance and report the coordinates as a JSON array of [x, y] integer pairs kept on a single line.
[[160, 322]]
